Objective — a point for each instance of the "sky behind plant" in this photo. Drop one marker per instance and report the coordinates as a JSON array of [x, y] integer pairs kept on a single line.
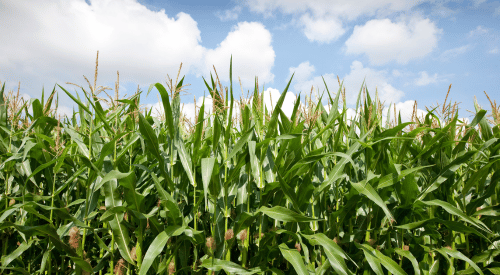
[[406, 50]]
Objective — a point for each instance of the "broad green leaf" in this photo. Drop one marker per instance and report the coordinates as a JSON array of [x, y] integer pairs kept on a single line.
[[166, 108], [285, 215], [294, 257], [185, 158], [81, 263], [455, 211], [334, 253], [337, 170], [157, 246], [228, 266], [366, 189], [387, 262], [447, 172], [458, 255], [409, 256], [7, 259], [207, 166], [120, 232], [391, 179], [239, 145]]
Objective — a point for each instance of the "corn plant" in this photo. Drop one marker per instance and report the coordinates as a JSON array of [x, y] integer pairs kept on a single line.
[[245, 189]]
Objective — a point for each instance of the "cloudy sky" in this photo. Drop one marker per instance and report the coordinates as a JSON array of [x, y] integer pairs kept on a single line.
[[407, 50]]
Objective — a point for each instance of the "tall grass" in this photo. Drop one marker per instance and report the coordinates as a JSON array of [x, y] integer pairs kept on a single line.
[[120, 191]]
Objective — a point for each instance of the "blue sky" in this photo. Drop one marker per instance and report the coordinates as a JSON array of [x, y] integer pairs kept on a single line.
[[408, 50]]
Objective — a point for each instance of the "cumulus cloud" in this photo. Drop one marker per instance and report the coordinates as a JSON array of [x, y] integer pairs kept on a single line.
[[322, 30], [253, 54], [56, 42], [452, 53], [302, 72], [426, 79], [328, 18], [383, 40]]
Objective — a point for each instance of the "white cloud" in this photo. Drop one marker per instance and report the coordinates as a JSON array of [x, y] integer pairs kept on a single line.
[[479, 30], [328, 17], [302, 72], [228, 15], [493, 51], [57, 41], [253, 54], [396, 73], [383, 40], [322, 30], [426, 79], [452, 53]]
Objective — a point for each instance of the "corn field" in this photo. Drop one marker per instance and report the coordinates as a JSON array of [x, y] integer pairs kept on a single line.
[[244, 189]]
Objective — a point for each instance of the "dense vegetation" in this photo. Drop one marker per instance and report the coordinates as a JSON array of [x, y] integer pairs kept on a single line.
[[244, 189]]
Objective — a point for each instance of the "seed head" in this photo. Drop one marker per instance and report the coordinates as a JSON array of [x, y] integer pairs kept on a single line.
[[243, 235], [74, 237], [298, 247], [12, 202], [120, 267], [171, 267], [229, 235], [406, 247], [211, 245], [133, 253]]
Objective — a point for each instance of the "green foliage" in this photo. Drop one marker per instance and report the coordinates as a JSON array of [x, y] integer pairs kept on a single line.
[[115, 191]]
